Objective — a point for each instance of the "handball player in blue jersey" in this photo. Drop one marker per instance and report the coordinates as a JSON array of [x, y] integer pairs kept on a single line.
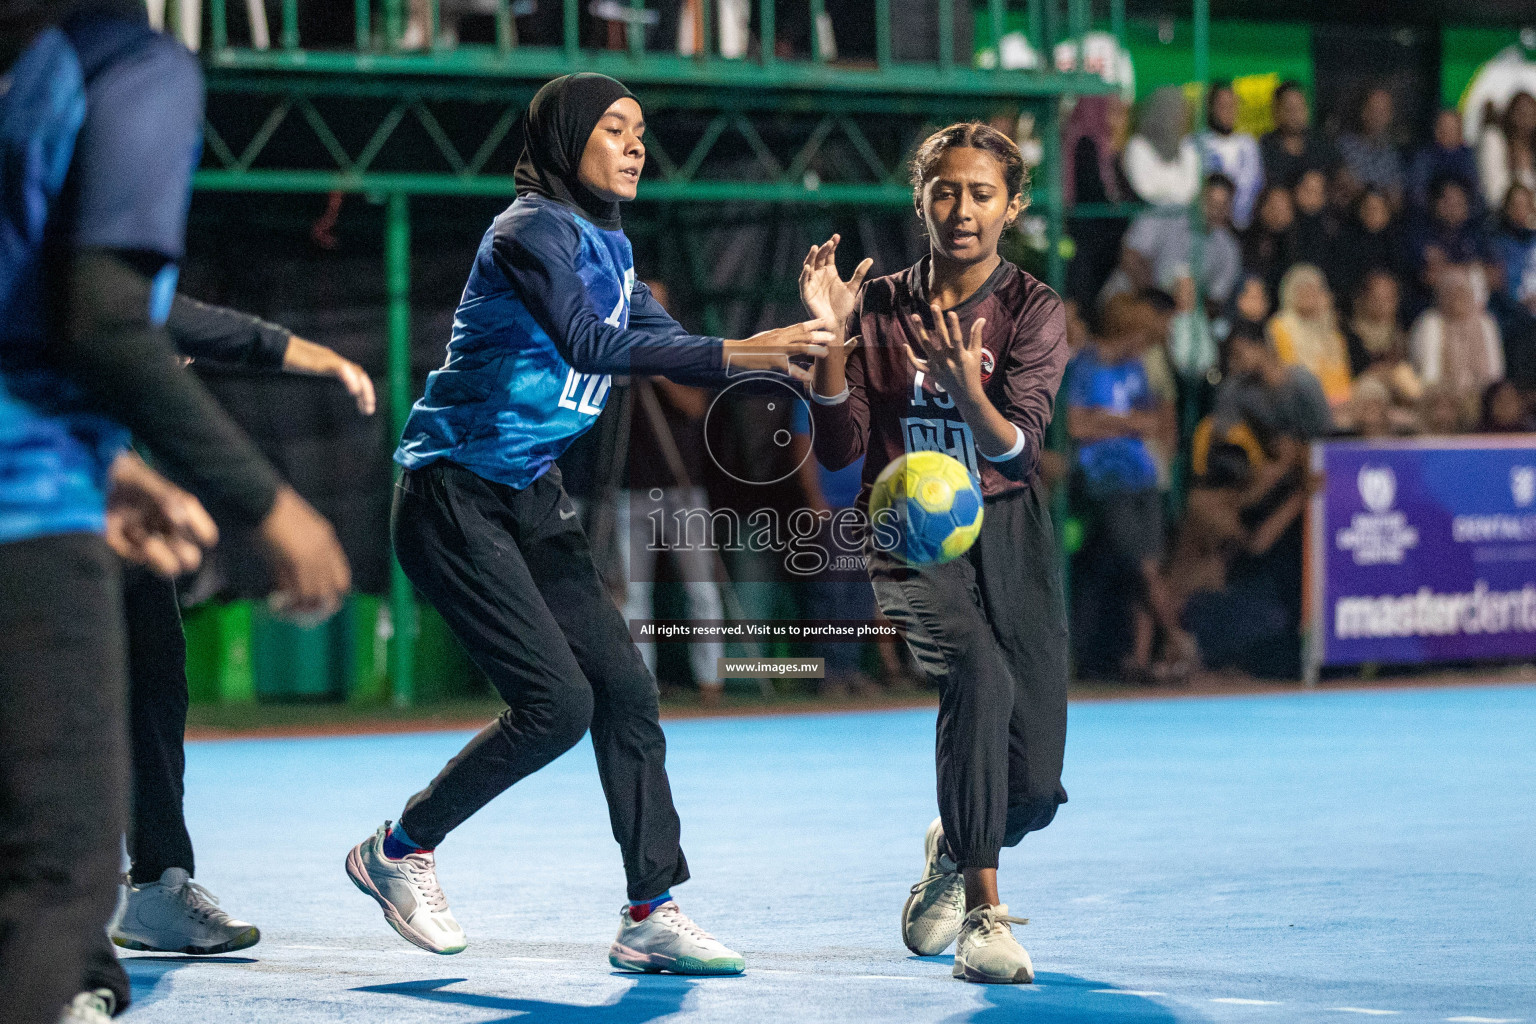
[[486, 533]]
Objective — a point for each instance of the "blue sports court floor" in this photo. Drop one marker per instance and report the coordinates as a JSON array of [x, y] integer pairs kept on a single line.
[[1306, 857]]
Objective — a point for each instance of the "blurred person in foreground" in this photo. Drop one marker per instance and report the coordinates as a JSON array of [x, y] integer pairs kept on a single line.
[[89, 271], [164, 909]]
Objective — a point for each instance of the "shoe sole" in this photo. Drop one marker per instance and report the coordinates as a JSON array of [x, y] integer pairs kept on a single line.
[[906, 908], [245, 940], [1023, 976], [906, 920], [626, 959], [359, 876]]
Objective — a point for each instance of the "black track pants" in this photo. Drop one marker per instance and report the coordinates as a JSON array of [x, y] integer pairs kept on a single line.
[[63, 767], [990, 630], [510, 573], [157, 724]]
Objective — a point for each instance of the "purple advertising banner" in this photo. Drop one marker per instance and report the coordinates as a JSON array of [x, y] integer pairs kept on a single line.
[[1423, 551]]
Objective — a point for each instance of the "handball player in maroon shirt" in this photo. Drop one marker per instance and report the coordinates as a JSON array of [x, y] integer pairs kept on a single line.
[[963, 354]]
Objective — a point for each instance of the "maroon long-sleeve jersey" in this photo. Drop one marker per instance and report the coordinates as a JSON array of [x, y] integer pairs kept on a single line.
[[890, 409]]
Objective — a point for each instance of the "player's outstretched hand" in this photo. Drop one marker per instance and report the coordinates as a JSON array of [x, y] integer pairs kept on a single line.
[[304, 356], [153, 522], [948, 356], [825, 294], [310, 570], [783, 349]]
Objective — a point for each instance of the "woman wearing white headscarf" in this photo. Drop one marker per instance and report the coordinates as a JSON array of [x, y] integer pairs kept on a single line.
[[1456, 343], [1161, 161]]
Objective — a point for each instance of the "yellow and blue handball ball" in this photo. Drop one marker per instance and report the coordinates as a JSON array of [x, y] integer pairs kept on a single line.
[[925, 508]]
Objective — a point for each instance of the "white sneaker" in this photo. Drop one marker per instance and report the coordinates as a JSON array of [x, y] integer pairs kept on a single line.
[[668, 941], [931, 919], [407, 889], [176, 915], [93, 1007], [987, 951]]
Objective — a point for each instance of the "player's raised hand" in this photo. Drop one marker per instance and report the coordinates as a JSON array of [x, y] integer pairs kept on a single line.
[[783, 349], [948, 356], [825, 294], [153, 522], [308, 565]]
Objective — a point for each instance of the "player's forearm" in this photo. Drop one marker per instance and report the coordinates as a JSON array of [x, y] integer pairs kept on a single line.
[[997, 438], [130, 371]]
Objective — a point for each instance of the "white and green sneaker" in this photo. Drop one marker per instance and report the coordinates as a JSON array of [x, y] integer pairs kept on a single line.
[[93, 1007], [666, 940], [407, 890], [987, 951], [176, 915], [931, 919]]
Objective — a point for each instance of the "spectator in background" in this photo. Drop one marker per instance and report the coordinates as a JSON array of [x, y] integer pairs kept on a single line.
[[1095, 137], [1447, 155], [1269, 244], [1250, 307], [1506, 154], [1159, 247], [1305, 332], [1504, 411], [1456, 343], [1111, 412], [1368, 241], [1293, 147], [1513, 302], [1375, 337], [1513, 247], [1442, 413], [1450, 237], [1231, 152], [1269, 411], [1161, 161], [1369, 153], [1315, 230]]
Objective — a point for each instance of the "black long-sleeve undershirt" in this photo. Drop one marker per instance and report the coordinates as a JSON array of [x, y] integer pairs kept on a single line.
[[107, 344], [222, 335]]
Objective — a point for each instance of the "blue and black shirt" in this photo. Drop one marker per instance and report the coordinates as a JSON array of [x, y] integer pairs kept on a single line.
[[551, 311]]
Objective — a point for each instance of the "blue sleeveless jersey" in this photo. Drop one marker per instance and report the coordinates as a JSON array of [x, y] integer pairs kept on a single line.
[[506, 404]]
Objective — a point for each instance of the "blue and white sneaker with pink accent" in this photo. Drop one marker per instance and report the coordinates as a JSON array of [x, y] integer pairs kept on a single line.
[[666, 940]]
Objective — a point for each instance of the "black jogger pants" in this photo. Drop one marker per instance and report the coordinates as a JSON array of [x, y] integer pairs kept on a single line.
[[157, 725], [990, 629], [63, 768], [510, 572]]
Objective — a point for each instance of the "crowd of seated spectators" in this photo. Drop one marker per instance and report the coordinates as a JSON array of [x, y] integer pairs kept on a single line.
[[1357, 285]]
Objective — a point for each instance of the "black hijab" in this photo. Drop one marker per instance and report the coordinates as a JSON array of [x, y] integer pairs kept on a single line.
[[556, 128]]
